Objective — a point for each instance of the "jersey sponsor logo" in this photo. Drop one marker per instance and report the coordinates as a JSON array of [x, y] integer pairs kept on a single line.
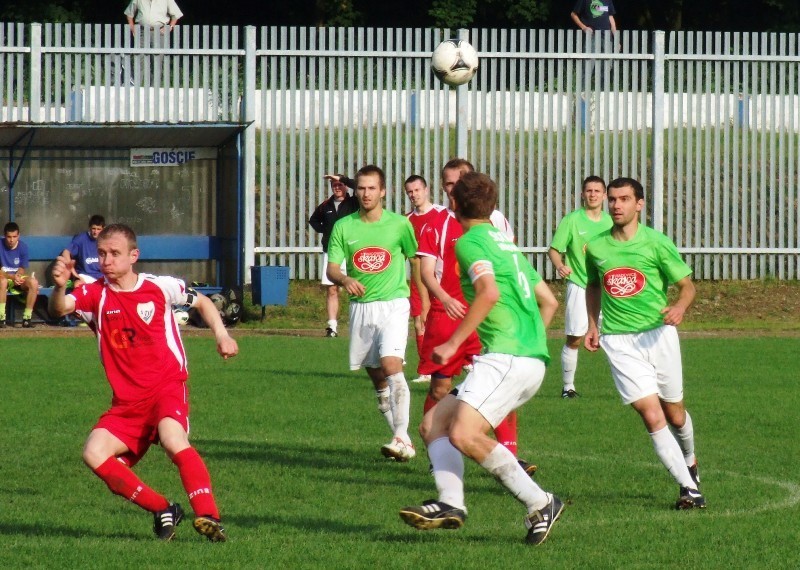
[[146, 311], [624, 282], [92, 260], [371, 259]]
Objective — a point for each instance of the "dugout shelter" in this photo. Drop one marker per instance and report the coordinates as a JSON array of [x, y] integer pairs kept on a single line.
[[178, 185]]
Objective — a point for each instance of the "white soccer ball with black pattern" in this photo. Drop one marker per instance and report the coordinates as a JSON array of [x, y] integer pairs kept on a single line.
[[454, 61], [181, 316]]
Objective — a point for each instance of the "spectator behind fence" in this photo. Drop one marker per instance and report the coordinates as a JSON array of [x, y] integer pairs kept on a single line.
[[13, 277], [339, 205], [155, 19]]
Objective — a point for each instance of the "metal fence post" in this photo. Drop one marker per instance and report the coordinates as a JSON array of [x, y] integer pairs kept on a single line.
[[36, 74], [461, 109], [657, 188], [249, 175]]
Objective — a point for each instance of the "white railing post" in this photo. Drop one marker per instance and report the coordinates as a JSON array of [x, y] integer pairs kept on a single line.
[[35, 102], [657, 184], [249, 175], [461, 109]]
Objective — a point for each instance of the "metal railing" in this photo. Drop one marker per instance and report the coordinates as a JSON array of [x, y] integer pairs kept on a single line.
[[710, 122]]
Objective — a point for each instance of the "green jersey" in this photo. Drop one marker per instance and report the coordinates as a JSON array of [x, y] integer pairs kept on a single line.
[[376, 254], [514, 325], [573, 233], [633, 276]]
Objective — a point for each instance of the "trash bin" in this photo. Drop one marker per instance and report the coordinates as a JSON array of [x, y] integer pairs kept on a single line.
[[270, 285]]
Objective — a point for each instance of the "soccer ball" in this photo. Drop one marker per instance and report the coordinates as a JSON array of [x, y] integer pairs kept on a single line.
[[454, 62], [181, 316], [232, 314]]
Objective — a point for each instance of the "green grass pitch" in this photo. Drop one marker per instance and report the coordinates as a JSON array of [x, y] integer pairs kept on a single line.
[[292, 440]]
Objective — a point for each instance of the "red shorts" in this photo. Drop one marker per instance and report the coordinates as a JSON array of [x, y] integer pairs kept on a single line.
[[415, 301], [438, 330], [136, 425]]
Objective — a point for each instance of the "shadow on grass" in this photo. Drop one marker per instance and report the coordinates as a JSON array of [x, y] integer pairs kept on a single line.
[[44, 530]]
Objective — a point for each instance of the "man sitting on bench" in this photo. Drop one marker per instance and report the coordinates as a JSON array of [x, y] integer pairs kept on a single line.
[[14, 261]]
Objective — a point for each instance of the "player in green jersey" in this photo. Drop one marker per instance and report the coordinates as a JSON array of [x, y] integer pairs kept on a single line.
[[628, 271], [568, 254], [509, 306], [376, 244]]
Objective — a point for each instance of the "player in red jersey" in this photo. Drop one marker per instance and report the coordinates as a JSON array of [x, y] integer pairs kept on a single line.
[[440, 274], [424, 212], [145, 364]]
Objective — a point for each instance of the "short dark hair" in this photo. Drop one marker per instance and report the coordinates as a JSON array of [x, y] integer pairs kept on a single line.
[[622, 182], [590, 179], [414, 178], [10, 227], [370, 170], [475, 195], [461, 164], [120, 229], [97, 220]]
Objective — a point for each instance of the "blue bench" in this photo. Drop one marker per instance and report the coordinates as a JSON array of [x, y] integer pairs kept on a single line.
[[152, 247]]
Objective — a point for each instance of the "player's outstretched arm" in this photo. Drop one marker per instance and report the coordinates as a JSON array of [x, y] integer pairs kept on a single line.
[[226, 346], [60, 304], [673, 314]]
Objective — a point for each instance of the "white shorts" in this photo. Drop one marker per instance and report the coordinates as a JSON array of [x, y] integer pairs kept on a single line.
[[646, 363], [576, 319], [324, 277], [501, 383], [378, 329]]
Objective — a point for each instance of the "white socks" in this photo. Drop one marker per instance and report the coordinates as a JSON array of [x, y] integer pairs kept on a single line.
[[384, 407], [685, 437], [448, 471], [333, 324], [569, 363], [400, 402], [669, 452], [502, 464]]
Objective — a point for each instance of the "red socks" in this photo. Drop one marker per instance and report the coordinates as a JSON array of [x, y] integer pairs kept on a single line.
[[429, 403], [506, 432], [419, 344], [124, 482], [197, 482]]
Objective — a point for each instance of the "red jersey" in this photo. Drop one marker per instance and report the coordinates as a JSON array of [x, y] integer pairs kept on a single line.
[[138, 339], [418, 222], [438, 240]]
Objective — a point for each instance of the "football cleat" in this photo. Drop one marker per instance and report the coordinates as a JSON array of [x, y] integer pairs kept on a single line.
[[211, 528], [690, 499], [695, 475], [164, 522], [433, 514], [3, 323], [27, 324], [569, 394], [399, 450], [529, 468], [422, 379], [540, 522], [329, 332]]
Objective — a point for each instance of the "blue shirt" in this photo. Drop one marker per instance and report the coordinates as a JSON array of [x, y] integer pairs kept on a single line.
[[13, 259], [83, 250]]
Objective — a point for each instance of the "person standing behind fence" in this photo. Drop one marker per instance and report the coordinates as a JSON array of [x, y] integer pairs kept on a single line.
[[160, 17], [595, 16], [339, 205]]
